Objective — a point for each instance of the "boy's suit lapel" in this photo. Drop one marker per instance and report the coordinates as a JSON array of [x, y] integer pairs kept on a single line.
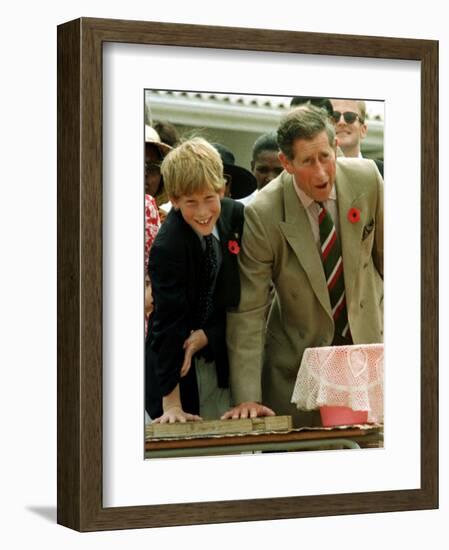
[[194, 245], [296, 229], [223, 227], [228, 278]]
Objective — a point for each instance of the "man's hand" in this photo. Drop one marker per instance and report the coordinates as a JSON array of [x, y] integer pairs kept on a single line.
[[249, 409], [175, 414], [196, 341]]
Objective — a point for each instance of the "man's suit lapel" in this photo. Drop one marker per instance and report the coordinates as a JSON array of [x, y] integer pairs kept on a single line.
[[350, 233], [296, 229]]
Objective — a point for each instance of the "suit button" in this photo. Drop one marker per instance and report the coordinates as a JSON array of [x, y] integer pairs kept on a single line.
[[365, 266], [301, 335], [361, 304]]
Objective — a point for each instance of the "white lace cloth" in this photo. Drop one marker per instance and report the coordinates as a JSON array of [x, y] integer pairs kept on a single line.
[[344, 376]]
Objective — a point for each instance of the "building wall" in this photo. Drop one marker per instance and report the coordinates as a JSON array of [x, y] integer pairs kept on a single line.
[[236, 125]]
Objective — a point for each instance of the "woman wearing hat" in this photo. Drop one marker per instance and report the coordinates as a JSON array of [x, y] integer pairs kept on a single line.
[[155, 152]]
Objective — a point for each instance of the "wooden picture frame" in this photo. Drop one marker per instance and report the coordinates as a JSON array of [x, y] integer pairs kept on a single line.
[[80, 351]]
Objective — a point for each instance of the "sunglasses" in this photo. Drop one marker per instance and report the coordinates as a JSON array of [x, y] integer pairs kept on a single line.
[[348, 116]]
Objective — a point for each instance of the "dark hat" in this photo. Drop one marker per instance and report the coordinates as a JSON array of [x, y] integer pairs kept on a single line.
[[322, 102], [243, 183]]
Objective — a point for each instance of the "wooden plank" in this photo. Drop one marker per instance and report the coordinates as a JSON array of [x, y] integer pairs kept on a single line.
[[208, 428], [310, 435]]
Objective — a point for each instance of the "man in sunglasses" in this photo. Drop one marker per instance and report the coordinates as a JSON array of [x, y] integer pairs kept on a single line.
[[350, 127]]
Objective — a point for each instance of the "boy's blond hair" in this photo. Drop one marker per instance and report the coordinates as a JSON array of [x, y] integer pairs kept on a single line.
[[192, 166]]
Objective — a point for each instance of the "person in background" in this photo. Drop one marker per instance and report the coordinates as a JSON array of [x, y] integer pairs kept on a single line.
[[167, 132], [349, 117], [152, 225], [194, 273], [239, 182], [155, 152], [315, 233], [321, 102], [265, 163]]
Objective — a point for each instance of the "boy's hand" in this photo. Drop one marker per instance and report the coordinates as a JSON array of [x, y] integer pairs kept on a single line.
[[249, 409], [175, 414], [196, 341]]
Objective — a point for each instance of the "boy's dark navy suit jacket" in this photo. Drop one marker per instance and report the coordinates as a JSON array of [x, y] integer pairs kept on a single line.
[[176, 259]]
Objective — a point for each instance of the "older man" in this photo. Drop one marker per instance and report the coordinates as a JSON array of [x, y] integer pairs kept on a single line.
[[316, 233]]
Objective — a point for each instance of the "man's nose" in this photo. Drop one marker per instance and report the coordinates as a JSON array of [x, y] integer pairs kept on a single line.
[[320, 170]]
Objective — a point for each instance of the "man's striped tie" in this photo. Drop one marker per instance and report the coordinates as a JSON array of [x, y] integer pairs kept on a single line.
[[333, 269]]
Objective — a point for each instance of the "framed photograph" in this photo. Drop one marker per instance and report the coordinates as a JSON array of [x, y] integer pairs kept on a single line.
[[242, 129], [104, 68]]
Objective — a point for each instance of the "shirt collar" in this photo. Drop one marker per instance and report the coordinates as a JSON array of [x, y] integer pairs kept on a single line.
[[306, 200], [214, 233]]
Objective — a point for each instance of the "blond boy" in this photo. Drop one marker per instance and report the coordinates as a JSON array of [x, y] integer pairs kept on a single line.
[[194, 275]]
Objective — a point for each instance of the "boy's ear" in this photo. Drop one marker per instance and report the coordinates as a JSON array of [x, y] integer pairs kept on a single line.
[[221, 192], [174, 202]]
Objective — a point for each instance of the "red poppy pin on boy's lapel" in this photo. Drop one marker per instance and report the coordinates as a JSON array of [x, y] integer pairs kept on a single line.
[[354, 215], [233, 247]]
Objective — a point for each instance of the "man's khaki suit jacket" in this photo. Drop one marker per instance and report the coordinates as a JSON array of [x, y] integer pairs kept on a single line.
[[279, 249]]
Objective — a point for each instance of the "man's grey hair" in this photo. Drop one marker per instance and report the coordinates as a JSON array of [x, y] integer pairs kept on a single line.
[[304, 122]]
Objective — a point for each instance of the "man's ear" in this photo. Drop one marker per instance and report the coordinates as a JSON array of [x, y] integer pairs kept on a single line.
[[286, 164], [363, 130]]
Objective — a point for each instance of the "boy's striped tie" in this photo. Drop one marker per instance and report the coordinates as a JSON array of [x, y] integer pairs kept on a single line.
[[333, 269]]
